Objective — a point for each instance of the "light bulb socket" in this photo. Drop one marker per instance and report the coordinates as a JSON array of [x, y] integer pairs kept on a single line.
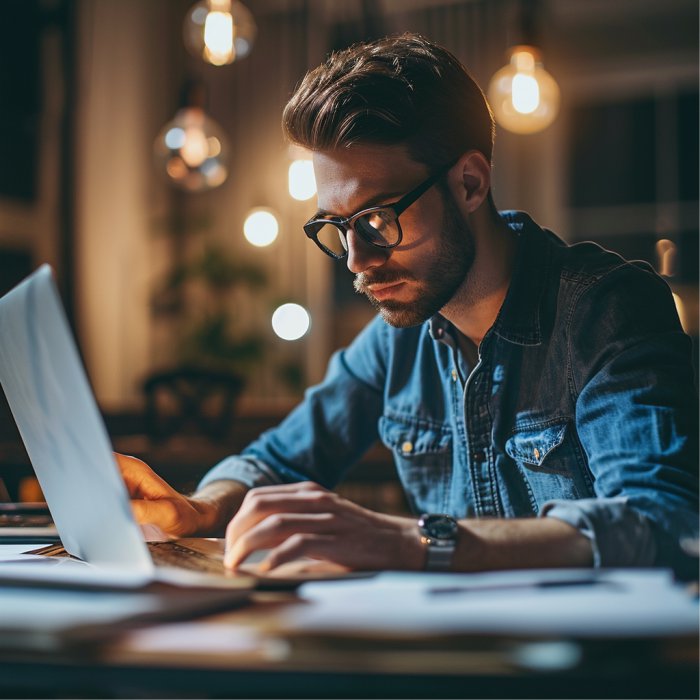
[[525, 48]]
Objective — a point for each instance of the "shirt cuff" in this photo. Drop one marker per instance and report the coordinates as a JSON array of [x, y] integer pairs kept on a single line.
[[246, 470], [619, 535]]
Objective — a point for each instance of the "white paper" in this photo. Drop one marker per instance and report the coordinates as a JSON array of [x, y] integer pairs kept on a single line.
[[50, 618], [62, 571], [8, 552], [611, 603]]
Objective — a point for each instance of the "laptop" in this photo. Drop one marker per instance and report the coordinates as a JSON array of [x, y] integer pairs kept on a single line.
[[68, 445]]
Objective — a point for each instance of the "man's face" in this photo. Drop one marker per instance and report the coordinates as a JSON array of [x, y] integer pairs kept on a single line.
[[413, 281]]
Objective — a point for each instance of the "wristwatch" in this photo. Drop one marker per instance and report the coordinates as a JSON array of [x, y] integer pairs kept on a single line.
[[438, 532]]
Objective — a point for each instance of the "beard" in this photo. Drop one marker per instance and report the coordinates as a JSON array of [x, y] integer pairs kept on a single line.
[[444, 276]]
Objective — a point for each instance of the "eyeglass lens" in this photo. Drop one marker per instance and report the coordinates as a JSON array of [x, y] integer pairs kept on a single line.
[[379, 227], [332, 238]]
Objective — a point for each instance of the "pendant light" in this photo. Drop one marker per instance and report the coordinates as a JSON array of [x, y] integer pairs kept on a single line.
[[523, 95], [219, 31], [192, 148]]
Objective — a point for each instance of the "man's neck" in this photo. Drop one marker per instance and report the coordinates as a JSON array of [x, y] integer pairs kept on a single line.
[[475, 306]]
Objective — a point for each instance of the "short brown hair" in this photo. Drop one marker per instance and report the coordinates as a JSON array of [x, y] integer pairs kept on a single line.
[[402, 89]]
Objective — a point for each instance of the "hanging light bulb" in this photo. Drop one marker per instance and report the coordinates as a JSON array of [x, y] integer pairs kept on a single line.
[[192, 149], [219, 31], [523, 95]]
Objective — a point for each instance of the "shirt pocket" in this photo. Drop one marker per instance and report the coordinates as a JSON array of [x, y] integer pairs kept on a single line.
[[423, 456], [547, 461]]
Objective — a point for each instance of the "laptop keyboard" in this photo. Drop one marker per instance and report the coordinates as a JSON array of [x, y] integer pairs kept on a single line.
[[173, 554], [163, 554]]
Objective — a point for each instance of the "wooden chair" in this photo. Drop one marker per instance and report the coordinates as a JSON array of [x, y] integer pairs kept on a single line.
[[191, 401]]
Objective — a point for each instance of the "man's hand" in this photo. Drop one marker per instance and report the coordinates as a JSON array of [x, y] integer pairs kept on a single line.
[[306, 520], [155, 501]]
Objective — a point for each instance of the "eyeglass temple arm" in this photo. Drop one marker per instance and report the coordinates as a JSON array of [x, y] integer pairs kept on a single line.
[[408, 199]]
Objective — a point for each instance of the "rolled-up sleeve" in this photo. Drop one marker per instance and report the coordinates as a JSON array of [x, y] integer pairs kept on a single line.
[[619, 535], [246, 470]]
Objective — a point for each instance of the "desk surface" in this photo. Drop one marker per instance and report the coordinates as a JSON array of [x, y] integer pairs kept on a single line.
[[274, 646], [241, 653]]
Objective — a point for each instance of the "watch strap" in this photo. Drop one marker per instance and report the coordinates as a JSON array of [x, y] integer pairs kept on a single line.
[[439, 554]]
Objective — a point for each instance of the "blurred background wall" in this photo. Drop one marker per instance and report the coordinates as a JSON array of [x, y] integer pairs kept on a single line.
[[153, 275]]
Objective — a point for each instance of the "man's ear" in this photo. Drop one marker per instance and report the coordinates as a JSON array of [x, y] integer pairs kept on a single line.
[[470, 180]]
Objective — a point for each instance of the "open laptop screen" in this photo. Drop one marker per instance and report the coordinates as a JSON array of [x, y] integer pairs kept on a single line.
[[59, 421]]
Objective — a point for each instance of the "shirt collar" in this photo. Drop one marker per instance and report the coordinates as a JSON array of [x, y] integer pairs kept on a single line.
[[438, 327], [518, 321]]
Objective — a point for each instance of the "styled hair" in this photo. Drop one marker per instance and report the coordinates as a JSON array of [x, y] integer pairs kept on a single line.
[[397, 90]]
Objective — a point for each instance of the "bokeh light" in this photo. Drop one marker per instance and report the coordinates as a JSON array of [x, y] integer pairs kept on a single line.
[[290, 321], [302, 182], [261, 227]]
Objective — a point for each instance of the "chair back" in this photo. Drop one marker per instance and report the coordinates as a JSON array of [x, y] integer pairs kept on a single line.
[[191, 400]]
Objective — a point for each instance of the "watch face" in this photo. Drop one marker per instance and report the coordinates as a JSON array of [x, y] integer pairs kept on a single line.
[[438, 526]]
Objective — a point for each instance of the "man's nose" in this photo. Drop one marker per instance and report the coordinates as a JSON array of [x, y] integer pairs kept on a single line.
[[362, 255]]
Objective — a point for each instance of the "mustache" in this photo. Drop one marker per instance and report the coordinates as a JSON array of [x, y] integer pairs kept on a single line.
[[363, 280]]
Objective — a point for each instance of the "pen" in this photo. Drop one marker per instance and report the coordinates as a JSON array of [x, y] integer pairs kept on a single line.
[[560, 583]]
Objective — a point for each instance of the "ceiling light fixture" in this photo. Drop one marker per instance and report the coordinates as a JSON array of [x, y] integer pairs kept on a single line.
[[523, 95], [219, 31], [192, 148]]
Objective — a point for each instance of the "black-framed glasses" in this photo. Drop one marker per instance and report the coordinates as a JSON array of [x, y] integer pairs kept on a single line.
[[378, 226]]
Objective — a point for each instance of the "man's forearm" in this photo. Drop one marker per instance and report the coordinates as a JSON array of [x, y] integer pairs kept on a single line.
[[220, 500], [524, 543]]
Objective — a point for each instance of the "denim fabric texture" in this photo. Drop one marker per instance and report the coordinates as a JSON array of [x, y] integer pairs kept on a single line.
[[581, 407]]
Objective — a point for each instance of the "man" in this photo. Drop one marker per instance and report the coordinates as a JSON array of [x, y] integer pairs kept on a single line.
[[511, 375]]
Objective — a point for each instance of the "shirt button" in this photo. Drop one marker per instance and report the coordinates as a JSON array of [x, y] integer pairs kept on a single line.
[[478, 456], [536, 453], [454, 375], [407, 447]]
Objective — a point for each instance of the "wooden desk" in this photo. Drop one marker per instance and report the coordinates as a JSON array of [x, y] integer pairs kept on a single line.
[[241, 653]]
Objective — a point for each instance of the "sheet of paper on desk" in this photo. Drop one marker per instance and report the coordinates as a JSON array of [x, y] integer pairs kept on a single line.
[[17, 566], [44, 619], [578, 603]]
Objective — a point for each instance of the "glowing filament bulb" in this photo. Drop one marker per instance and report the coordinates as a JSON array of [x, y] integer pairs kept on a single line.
[[523, 95], [219, 31], [218, 38], [195, 149], [526, 93]]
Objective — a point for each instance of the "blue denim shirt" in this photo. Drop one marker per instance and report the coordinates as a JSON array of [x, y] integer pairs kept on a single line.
[[581, 407]]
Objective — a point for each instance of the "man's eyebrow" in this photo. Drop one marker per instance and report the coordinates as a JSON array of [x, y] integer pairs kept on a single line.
[[375, 201]]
